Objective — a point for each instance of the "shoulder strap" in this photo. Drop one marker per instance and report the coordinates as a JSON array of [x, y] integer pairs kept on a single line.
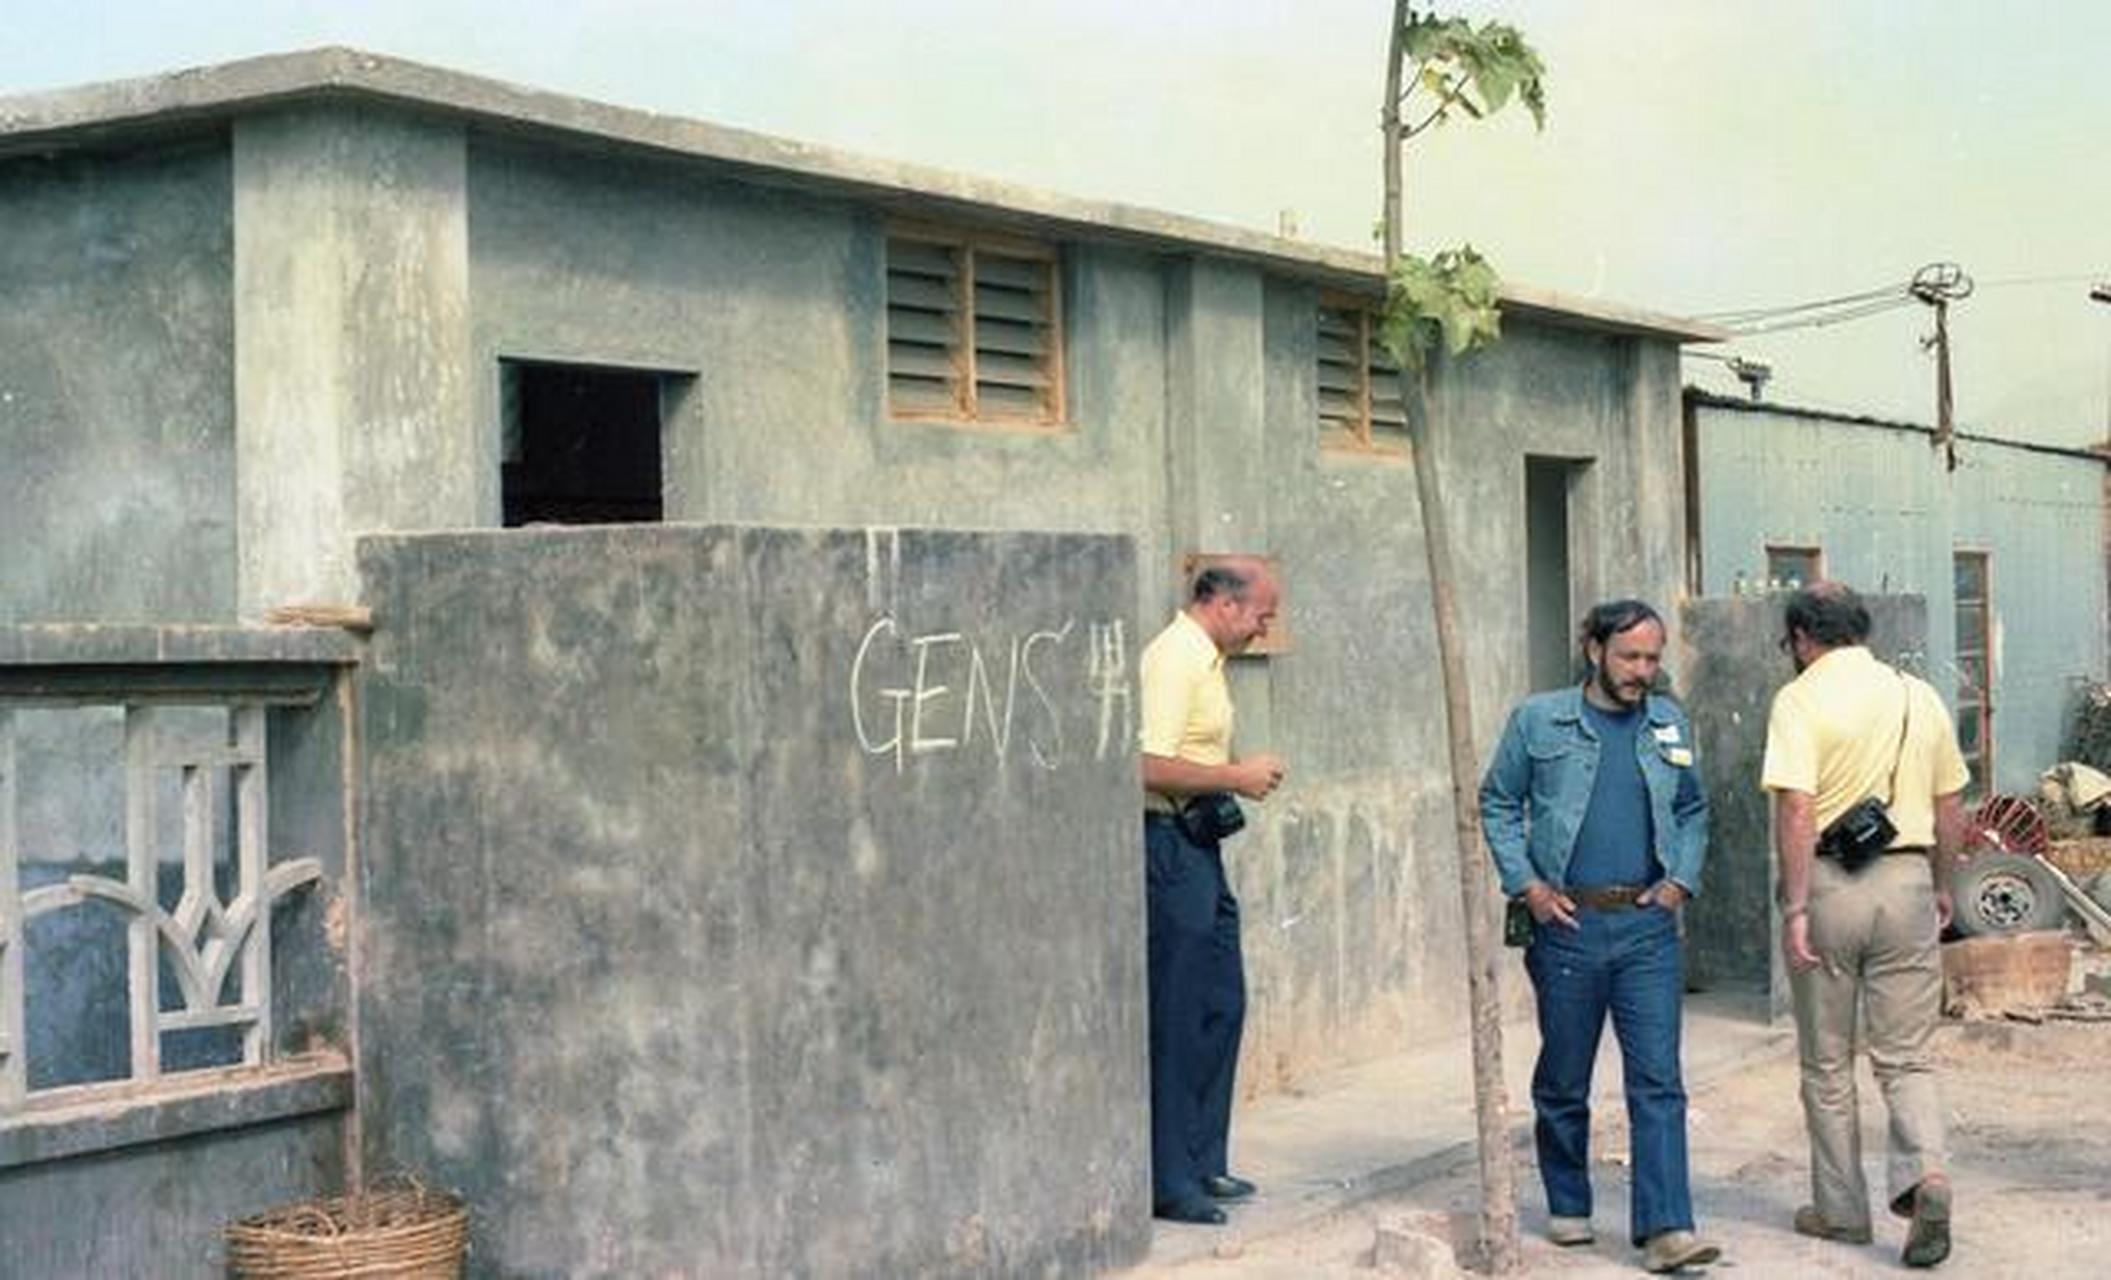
[[1905, 713]]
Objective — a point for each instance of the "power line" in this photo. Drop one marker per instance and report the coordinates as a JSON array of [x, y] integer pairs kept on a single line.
[[1876, 306], [1755, 313], [1855, 306]]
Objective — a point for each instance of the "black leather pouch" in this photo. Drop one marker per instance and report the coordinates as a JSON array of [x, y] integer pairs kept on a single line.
[[1517, 923], [1209, 817], [1859, 836]]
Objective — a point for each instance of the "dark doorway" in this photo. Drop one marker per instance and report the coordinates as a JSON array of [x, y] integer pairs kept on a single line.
[[581, 446], [1551, 641]]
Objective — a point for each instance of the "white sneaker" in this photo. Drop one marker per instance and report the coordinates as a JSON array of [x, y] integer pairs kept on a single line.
[[1569, 1232], [1669, 1251]]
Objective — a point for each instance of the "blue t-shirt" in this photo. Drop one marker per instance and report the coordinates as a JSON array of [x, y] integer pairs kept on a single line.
[[1616, 842]]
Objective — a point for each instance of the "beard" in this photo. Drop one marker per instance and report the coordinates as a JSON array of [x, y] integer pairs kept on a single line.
[[1627, 693]]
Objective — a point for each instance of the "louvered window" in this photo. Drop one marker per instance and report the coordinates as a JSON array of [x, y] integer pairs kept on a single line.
[[1359, 383], [973, 330]]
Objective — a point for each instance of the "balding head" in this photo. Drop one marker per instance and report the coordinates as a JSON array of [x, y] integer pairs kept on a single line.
[[1234, 600]]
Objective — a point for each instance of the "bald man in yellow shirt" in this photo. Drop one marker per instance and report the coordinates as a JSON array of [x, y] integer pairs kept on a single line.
[[1865, 937], [1197, 975]]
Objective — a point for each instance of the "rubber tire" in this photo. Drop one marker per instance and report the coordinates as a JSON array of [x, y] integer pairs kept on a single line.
[[2005, 893]]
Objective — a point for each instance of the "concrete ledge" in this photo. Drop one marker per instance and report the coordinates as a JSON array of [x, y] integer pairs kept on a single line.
[[76, 1122], [143, 663]]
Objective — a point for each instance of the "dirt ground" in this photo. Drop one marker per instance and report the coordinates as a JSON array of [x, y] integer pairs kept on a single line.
[[2030, 1149]]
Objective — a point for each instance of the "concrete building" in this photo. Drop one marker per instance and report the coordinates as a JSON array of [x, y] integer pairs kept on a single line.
[[328, 327]]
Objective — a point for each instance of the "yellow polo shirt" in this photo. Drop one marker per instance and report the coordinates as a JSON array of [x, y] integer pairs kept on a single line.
[[1186, 703], [1834, 732]]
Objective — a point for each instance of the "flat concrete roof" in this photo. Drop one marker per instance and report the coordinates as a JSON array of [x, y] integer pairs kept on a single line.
[[102, 114]]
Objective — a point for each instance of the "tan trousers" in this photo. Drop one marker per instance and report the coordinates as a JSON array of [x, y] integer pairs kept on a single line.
[[1875, 935]]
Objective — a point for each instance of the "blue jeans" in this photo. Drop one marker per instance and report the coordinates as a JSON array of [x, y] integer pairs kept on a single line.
[[1625, 962]]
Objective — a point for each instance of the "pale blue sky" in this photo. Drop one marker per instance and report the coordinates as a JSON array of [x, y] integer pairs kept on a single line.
[[1700, 155]]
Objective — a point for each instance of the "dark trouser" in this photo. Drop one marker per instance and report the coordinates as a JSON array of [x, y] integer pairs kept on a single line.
[[1198, 1008], [1623, 962]]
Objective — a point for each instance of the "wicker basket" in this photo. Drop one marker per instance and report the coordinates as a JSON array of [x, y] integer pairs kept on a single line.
[[409, 1232]]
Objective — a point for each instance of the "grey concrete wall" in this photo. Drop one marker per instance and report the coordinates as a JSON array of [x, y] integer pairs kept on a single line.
[[1888, 517], [159, 1210], [117, 463], [351, 336], [723, 916], [771, 308], [1733, 669]]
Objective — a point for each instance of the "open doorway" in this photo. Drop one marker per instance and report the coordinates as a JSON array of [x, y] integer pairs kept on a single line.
[[1549, 623], [581, 444]]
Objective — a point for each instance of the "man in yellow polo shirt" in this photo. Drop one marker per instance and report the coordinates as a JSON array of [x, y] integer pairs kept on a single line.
[[1197, 977], [1846, 728]]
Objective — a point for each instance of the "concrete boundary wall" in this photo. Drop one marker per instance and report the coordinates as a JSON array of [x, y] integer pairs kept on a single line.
[[753, 901]]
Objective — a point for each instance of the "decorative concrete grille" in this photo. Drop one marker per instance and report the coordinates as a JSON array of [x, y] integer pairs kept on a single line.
[[203, 939]]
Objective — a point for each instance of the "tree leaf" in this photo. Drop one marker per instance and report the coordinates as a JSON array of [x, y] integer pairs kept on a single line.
[[1452, 298]]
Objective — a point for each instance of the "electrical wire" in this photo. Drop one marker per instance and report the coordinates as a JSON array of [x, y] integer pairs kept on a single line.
[[1818, 321], [1756, 313]]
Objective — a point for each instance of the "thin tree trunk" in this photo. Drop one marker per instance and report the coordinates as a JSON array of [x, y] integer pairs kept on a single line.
[[1491, 1105], [1389, 124], [1498, 1241]]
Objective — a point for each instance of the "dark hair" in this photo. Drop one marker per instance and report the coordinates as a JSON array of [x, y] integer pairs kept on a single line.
[[1220, 580], [1829, 613], [1614, 617]]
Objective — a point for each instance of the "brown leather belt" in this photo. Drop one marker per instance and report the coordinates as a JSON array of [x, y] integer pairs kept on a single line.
[[1608, 897]]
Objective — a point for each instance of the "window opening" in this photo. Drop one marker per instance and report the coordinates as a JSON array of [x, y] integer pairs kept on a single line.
[[1360, 408], [582, 444], [1975, 708], [973, 330], [1791, 568]]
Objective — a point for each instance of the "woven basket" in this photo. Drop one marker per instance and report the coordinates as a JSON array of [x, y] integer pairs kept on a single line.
[[408, 1232]]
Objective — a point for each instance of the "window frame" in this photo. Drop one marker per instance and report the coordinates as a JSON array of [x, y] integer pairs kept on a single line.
[[1813, 550], [1361, 436], [1978, 702], [968, 410]]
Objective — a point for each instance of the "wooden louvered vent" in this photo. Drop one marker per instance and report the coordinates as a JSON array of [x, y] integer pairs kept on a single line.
[[973, 331], [1359, 383]]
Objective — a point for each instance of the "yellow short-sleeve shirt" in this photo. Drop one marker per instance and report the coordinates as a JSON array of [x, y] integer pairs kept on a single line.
[[1186, 711], [1835, 732]]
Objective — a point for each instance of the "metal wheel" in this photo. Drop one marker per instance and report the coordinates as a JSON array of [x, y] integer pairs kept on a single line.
[[2005, 893]]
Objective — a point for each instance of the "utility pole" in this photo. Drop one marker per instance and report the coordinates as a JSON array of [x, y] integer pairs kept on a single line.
[[2101, 292], [1939, 284]]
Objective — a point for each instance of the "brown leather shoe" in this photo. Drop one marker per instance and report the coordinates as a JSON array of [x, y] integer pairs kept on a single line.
[[1809, 1222]]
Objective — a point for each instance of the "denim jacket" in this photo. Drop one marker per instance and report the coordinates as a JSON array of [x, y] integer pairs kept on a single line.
[[1538, 785]]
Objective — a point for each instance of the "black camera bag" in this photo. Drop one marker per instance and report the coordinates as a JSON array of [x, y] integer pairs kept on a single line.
[[1210, 816]]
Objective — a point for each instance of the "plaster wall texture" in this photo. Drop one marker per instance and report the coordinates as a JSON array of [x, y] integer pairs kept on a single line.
[[1886, 515], [770, 308], [117, 385], [157, 1210], [350, 343], [736, 906]]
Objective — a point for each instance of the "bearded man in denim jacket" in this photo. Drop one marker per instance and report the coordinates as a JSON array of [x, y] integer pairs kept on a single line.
[[1594, 811]]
